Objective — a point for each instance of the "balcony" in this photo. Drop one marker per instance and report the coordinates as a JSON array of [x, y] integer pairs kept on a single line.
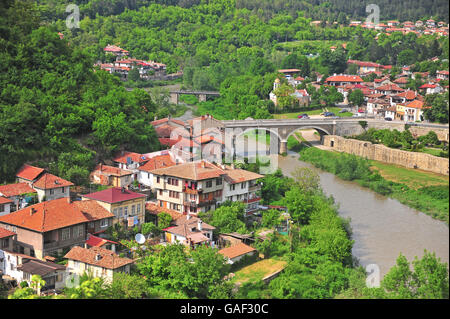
[[207, 202], [190, 203], [191, 191]]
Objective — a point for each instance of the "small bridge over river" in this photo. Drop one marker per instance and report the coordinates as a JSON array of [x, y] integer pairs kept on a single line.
[[202, 95]]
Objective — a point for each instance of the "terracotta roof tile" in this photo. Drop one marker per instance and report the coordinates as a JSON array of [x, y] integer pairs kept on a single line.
[[48, 181], [157, 162], [29, 172], [114, 195], [5, 233], [108, 259], [236, 250], [155, 210], [16, 189], [4, 200], [191, 171], [56, 214], [135, 157]]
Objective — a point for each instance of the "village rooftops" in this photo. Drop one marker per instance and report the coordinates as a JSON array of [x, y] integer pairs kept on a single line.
[[198, 170], [114, 195], [168, 121], [49, 181], [98, 256], [56, 214], [189, 228], [236, 250], [135, 157], [415, 104], [29, 172], [156, 162]]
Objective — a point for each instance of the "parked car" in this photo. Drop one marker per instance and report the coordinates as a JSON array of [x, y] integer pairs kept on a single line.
[[303, 116], [344, 110], [388, 119], [328, 114]]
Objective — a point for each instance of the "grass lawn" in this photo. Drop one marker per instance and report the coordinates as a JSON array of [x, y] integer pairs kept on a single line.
[[294, 115], [432, 151], [258, 270], [413, 178]]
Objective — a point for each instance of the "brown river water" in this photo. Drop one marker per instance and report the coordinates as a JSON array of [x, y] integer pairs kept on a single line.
[[382, 227]]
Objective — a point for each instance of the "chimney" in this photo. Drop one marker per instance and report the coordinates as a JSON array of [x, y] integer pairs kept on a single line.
[[199, 224], [98, 257], [203, 164], [188, 216]]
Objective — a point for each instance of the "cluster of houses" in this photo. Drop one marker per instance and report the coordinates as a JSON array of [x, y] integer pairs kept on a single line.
[[124, 64], [383, 98], [59, 226], [419, 27]]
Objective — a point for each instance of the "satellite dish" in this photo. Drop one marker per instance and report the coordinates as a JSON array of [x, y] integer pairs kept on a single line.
[[140, 239]]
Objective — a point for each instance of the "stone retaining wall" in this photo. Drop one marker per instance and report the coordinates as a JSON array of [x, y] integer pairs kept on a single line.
[[388, 155]]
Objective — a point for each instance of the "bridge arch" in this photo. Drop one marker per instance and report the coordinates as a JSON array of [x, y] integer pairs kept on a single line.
[[319, 129], [266, 129]]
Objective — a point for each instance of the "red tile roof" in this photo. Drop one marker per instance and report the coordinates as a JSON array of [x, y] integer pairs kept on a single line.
[[135, 157], [49, 181], [16, 189], [344, 78], [164, 120], [108, 259], [111, 170], [95, 241], [114, 48], [114, 195], [155, 210], [56, 214], [428, 86], [4, 200], [236, 250], [157, 162], [5, 233], [29, 172], [415, 104], [198, 170]]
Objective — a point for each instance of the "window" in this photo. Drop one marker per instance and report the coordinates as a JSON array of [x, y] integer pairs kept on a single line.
[[51, 192], [115, 212], [243, 185], [218, 181], [62, 190], [65, 233], [4, 243], [232, 186], [2, 207], [208, 184], [157, 179], [78, 231], [125, 210], [120, 211], [138, 208], [133, 209], [104, 223], [160, 192]]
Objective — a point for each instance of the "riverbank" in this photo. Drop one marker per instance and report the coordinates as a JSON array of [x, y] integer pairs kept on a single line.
[[424, 191]]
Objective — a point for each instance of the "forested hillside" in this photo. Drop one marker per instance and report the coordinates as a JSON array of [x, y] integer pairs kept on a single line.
[[55, 108]]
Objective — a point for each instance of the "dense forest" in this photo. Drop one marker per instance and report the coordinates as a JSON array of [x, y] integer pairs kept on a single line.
[[54, 107]]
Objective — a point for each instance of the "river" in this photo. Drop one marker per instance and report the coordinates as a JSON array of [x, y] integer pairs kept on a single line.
[[382, 227]]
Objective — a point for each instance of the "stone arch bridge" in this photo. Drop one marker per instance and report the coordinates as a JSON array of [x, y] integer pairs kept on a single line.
[[202, 95], [283, 128]]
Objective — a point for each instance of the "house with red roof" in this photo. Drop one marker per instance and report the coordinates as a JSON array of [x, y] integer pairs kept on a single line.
[[190, 231], [95, 241], [19, 193], [430, 88], [145, 176], [442, 75], [414, 111], [111, 176], [114, 49], [28, 174], [97, 262], [127, 207], [236, 252], [340, 80], [49, 187], [49, 227]]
